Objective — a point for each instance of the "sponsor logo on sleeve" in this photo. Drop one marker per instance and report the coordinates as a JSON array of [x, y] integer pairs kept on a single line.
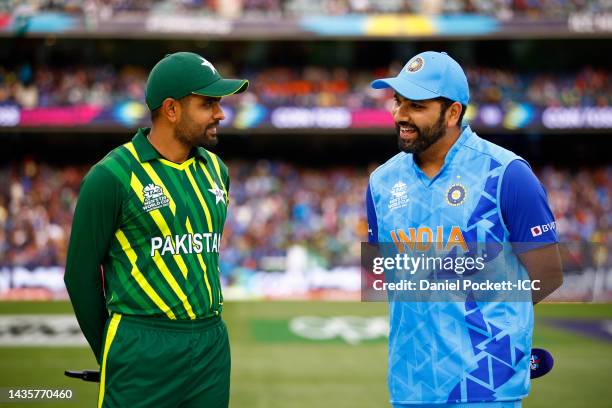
[[538, 230]]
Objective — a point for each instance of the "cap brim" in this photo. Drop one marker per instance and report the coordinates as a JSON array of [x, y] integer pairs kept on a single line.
[[406, 88], [224, 87]]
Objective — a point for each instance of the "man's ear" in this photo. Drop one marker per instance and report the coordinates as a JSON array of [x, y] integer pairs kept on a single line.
[[453, 114], [171, 109]]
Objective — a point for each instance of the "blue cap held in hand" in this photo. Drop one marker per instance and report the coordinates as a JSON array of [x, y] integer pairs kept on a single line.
[[429, 75], [540, 363]]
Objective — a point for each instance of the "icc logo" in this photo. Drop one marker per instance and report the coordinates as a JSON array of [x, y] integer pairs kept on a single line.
[[152, 191], [399, 189], [399, 196], [153, 198]]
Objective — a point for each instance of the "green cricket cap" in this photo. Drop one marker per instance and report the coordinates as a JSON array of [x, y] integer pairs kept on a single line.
[[183, 73]]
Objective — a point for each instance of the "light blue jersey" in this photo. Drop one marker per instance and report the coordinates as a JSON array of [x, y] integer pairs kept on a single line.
[[454, 352]]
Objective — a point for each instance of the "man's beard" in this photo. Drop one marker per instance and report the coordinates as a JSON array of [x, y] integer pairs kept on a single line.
[[190, 134], [425, 136]]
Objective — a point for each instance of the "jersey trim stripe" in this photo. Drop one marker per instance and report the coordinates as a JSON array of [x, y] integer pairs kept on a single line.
[[159, 221], [178, 166], [202, 264], [139, 277], [217, 211], [154, 177], [213, 158], [155, 214], [196, 189], [160, 284], [110, 336], [208, 176], [157, 259], [215, 161]]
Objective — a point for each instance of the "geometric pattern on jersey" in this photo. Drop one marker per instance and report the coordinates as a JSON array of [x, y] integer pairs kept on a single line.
[[497, 358], [432, 356], [164, 260], [484, 224]]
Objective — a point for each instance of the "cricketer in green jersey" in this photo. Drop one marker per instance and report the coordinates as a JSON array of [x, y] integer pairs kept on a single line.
[[143, 262]]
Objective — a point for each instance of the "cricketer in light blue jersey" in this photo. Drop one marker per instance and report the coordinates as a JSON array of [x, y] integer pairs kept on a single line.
[[449, 184]]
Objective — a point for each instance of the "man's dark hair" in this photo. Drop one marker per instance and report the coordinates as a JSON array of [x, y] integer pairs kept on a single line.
[[446, 103], [155, 114]]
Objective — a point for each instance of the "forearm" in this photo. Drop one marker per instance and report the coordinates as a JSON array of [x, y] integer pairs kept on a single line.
[[89, 306], [546, 287], [543, 265]]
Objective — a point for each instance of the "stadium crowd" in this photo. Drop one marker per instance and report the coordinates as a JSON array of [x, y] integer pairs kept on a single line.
[[274, 206], [503, 9], [104, 86]]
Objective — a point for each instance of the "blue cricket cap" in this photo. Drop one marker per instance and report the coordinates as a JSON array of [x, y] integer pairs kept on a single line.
[[429, 75]]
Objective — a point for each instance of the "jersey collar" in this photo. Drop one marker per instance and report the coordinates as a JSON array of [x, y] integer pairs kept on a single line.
[[466, 133], [146, 151]]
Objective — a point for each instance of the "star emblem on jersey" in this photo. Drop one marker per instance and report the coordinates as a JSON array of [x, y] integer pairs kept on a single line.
[[154, 198], [456, 195], [218, 193], [208, 64], [415, 65]]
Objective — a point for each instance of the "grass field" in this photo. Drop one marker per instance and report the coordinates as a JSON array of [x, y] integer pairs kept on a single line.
[[273, 369]]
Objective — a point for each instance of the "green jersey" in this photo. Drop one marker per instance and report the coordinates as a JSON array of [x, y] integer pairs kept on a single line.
[[155, 228]]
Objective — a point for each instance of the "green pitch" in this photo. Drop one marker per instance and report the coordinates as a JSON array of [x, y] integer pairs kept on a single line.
[[273, 367]]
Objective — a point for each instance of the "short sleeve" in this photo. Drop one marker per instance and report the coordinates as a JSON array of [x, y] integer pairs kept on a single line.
[[525, 209]]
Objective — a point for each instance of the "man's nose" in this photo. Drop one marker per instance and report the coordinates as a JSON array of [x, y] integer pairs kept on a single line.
[[401, 114], [218, 113]]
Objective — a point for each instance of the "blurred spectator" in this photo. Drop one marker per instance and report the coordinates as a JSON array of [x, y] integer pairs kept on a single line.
[[36, 205], [310, 86], [274, 206], [279, 8]]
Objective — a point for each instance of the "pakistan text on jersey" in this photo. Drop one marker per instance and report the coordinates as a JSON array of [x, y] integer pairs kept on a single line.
[[186, 243]]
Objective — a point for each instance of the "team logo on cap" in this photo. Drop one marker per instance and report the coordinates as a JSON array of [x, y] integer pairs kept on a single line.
[[456, 195], [208, 64], [415, 65]]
